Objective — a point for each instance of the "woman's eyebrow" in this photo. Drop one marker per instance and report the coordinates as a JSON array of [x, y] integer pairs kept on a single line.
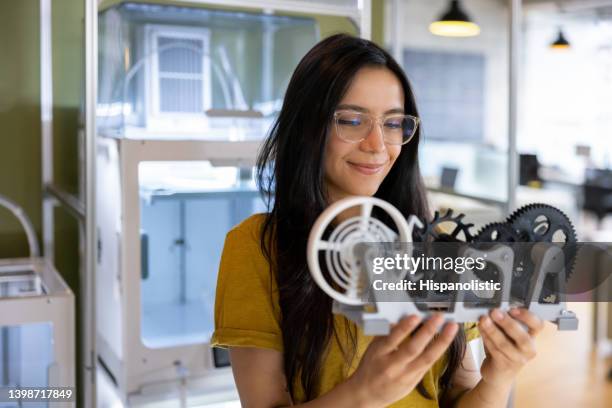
[[362, 109], [395, 110]]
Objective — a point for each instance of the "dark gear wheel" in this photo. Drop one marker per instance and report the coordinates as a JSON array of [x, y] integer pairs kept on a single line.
[[438, 229], [497, 232], [542, 223], [489, 235], [443, 228]]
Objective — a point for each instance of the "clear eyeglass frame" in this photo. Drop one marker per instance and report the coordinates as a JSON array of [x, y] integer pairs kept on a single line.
[[380, 121]]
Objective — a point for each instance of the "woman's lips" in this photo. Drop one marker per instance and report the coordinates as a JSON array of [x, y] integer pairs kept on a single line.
[[367, 168]]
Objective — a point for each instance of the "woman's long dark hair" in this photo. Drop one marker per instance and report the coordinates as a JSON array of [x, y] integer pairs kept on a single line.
[[290, 172]]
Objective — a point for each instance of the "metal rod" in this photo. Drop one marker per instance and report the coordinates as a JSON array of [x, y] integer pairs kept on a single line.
[[88, 238], [267, 65], [396, 23], [4, 341], [46, 122], [515, 39], [365, 19], [513, 71], [69, 201], [182, 253]]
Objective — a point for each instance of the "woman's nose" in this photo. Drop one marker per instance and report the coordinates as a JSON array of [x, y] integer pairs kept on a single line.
[[374, 141]]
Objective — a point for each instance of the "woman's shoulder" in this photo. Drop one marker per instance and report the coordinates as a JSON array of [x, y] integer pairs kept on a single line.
[[242, 252], [250, 226], [244, 276], [245, 237]]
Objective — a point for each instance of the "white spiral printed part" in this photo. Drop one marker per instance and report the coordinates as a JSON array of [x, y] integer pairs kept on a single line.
[[339, 247]]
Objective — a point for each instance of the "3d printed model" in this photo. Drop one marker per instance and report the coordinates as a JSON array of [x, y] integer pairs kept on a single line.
[[529, 257]]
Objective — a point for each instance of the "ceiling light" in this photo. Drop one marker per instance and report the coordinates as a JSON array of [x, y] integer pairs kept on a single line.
[[454, 23], [560, 43]]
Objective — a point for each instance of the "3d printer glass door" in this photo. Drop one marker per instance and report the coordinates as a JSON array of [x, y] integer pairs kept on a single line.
[[187, 208]]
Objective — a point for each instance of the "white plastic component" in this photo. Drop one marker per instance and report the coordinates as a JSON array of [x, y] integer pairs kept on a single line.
[[339, 247]]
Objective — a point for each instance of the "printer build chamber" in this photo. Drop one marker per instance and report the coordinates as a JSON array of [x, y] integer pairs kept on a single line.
[[184, 72]]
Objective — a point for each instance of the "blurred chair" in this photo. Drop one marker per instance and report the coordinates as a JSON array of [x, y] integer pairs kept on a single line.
[[448, 178], [528, 170], [597, 190]]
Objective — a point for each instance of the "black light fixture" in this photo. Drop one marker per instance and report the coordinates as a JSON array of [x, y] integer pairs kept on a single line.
[[454, 23], [561, 42]]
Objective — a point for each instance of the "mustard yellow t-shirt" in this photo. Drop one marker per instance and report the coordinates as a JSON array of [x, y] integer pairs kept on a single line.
[[247, 314]]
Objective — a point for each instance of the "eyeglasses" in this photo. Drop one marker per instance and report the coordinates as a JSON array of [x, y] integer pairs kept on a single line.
[[397, 129]]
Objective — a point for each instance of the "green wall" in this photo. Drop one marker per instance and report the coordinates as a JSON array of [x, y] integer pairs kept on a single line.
[[19, 120]]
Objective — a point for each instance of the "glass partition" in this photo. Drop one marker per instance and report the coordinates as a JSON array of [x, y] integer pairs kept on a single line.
[[566, 121], [461, 90], [567, 118], [186, 210]]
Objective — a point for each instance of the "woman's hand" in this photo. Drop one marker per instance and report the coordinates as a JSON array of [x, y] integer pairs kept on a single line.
[[393, 365], [508, 344]]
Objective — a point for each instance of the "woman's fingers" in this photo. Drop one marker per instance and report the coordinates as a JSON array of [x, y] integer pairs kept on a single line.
[[491, 346], [498, 339], [515, 331], [399, 332], [409, 350], [534, 324], [435, 349], [492, 350]]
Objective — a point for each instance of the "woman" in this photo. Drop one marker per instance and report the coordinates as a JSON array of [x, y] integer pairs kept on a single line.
[[347, 127]]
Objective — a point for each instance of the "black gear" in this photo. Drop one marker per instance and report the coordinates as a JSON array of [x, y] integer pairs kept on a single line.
[[496, 232], [432, 231], [542, 223], [526, 224]]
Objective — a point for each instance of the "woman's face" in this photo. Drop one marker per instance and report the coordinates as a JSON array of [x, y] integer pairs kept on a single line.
[[358, 168]]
